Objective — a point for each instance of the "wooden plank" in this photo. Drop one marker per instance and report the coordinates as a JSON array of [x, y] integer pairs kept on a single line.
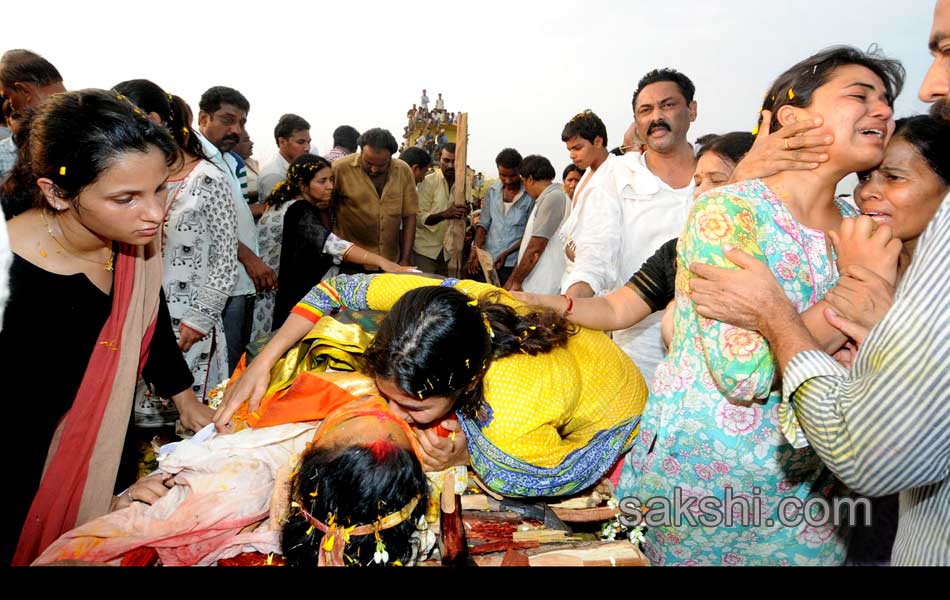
[[455, 234]]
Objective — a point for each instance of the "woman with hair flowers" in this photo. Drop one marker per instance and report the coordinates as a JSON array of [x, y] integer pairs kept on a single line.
[[297, 243], [86, 276], [544, 408]]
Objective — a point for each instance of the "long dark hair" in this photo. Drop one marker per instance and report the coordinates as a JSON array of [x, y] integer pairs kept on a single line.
[[436, 341], [19, 191], [731, 146], [931, 138], [153, 99], [300, 173], [357, 486], [75, 136]]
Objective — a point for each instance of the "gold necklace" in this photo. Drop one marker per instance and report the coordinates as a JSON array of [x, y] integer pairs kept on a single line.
[[109, 264]]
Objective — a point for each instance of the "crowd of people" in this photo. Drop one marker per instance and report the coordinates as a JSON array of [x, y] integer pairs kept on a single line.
[[426, 128], [688, 320]]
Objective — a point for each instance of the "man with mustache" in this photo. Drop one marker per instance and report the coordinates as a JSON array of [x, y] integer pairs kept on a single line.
[[435, 212], [627, 206], [884, 426], [221, 119]]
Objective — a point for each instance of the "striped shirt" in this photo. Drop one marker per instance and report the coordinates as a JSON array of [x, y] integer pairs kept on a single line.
[[885, 426]]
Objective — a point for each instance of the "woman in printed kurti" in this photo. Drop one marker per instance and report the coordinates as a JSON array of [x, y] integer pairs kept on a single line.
[[200, 253], [541, 412], [711, 427]]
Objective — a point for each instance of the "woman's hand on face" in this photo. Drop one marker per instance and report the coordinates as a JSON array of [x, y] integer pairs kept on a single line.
[[788, 149], [862, 242], [862, 296], [250, 388], [147, 490], [744, 297], [440, 453]]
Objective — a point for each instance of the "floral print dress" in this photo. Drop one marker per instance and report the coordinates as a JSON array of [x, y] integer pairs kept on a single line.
[[711, 425]]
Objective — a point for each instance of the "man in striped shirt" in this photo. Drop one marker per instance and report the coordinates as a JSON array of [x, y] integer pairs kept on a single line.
[[883, 427]]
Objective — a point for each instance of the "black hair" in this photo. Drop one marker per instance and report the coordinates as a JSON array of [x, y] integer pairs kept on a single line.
[[7, 108], [797, 85], [703, 140], [346, 136], [288, 124], [299, 173], [75, 136], [213, 98], [731, 146], [657, 75], [931, 139], [448, 147], [509, 158], [153, 99], [26, 66], [572, 167], [356, 486], [416, 157], [538, 168], [19, 191], [378, 138], [585, 125], [434, 342]]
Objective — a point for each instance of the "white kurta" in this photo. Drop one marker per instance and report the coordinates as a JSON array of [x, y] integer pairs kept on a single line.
[[622, 216]]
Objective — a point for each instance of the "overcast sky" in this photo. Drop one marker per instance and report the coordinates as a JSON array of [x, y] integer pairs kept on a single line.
[[520, 69]]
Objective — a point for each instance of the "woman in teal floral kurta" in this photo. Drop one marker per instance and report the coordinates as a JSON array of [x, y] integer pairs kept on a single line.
[[711, 427], [712, 420]]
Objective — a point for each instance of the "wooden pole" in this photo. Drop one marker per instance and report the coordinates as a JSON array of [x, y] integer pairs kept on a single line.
[[455, 234]]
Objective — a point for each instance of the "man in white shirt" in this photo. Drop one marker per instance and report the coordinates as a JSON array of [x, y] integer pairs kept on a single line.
[[221, 120], [292, 135], [633, 204], [541, 264]]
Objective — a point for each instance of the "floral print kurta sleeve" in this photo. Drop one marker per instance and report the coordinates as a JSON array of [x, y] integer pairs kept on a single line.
[[739, 360]]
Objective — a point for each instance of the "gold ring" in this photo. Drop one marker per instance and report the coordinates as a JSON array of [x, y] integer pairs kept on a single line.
[[786, 144]]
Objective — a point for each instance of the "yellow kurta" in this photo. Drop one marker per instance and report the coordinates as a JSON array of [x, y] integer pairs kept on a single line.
[[559, 419]]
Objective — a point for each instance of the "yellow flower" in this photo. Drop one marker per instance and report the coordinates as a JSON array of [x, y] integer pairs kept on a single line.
[[739, 344], [791, 94], [713, 225]]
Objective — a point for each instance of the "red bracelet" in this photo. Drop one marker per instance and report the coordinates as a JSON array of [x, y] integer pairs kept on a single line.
[[570, 305]]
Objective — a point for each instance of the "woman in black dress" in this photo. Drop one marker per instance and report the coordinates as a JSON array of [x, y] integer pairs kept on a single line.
[[85, 314]]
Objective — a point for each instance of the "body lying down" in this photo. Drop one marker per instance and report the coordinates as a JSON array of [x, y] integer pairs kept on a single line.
[[326, 477]]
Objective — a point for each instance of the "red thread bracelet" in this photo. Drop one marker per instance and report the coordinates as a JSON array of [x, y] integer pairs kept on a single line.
[[570, 305]]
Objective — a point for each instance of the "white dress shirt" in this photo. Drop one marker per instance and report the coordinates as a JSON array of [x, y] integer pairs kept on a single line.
[[623, 214]]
